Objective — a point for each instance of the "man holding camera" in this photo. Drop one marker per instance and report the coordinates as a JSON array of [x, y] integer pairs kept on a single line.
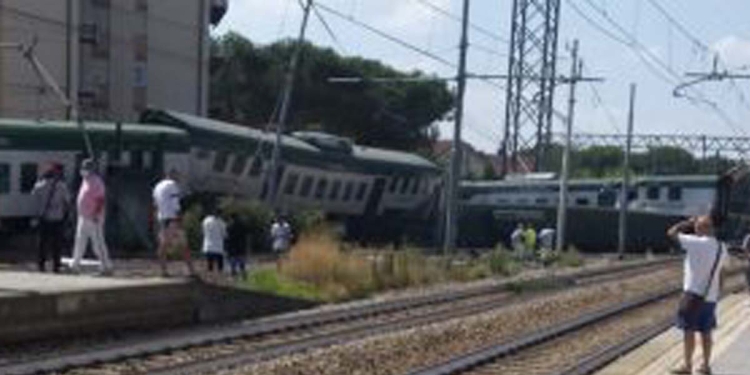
[[703, 262]]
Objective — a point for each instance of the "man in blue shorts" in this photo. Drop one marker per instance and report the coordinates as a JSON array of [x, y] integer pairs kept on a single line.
[[702, 269]]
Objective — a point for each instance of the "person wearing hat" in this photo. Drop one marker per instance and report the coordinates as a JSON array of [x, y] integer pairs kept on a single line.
[[91, 204], [52, 200]]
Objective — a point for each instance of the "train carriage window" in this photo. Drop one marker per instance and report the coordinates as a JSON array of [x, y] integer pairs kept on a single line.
[[541, 201], [257, 167], [238, 166], [220, 161], [652, 193], [4, 178], [632, 195], [361, 191], [675, 193], [320, 189], [405, 186], [582, 201], [415, 187], [28, 177], [335, 188], [136, 159], [394, 184], [348, 191], [291, 184], [304, 191], [202, 154]]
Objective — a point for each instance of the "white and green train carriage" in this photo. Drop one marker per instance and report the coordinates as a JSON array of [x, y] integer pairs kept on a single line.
[[319, 171]]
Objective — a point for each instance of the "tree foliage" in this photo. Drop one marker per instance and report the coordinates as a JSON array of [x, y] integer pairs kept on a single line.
[[607, 161], [246, 81]]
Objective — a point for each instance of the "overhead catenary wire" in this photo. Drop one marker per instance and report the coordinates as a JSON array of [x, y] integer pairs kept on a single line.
[[481, 30], [668, 74]]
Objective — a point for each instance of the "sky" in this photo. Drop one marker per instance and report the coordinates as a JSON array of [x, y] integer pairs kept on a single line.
[[650, 50]]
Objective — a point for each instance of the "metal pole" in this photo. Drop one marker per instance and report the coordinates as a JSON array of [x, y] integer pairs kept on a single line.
[[563, 201], [449, 240], [623, 229], [287, 98]]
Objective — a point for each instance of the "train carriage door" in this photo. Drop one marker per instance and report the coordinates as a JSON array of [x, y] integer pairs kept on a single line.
[[373, 203]]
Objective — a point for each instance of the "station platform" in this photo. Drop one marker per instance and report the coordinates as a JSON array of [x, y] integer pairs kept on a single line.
[[36, 305], [731, 352]]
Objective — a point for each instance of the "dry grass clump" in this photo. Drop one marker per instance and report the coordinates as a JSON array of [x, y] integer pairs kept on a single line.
[[318, 259]]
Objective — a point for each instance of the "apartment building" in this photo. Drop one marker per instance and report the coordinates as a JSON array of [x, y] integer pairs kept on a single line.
[[114, 57]]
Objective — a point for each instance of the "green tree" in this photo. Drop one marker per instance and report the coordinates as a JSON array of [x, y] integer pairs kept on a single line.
[[246, 80]]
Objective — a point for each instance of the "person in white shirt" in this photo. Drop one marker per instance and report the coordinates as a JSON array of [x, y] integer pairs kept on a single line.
[[281, 235], [547, 238], [702, 270], [517, 240], [167, 196], [214, 235]]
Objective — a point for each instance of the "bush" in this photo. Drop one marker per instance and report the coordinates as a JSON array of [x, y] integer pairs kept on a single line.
[[571, 258], [502, 262]]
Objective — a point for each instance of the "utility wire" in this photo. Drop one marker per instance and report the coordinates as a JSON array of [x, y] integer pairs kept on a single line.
[[328, 29], [641, 50], [607, 112], [457, 18]]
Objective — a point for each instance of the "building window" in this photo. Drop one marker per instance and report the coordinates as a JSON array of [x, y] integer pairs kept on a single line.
[[394, 184], [257, 167], [291, 184], [320, 190], [361, 191], [88, 34], [348, 191], [238, 166], [28, 177], [582, 201], [304, 191], [652, 193], [4, 178], [675, 193], [220, 161], [335, 188]]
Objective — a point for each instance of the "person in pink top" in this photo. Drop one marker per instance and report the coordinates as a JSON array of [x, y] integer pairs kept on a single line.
[[91, 204]]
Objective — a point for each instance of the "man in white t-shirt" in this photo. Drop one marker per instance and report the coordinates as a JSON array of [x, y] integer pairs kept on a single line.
[[167, 195], [281, 235], [702, 270], [214, 235]]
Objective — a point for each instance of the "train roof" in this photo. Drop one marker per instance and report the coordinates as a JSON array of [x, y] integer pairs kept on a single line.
[[681, 180], [310, 147], [43, 134]]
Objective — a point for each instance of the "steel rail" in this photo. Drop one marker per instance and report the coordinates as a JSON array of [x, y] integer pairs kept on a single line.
[[203, 336]]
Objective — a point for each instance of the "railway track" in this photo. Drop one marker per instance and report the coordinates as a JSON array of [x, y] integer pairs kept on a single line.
[[242, 344], [576, 347]]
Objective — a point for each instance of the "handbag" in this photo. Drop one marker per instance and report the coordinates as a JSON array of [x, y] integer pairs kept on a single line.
[[691, 303]]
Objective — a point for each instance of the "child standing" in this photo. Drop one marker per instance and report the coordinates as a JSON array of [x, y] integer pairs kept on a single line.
[[237, 247], [214, 234]]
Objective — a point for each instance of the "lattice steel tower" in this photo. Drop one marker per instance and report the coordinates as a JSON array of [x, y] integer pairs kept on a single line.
[[531, 83]]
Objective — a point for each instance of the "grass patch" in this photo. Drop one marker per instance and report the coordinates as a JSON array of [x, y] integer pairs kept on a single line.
[[268, 280]]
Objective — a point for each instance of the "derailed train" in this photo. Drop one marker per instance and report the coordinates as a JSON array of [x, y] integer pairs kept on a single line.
[[377, 193], [353, 183]]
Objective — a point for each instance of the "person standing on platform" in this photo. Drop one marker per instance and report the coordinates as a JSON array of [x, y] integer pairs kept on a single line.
[[701, 286], [167, 196], [237, 246], [90, 228], [214, 235], [52, 200]]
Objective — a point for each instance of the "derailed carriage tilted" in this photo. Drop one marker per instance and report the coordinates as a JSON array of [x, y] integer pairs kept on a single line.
[[378, 193]]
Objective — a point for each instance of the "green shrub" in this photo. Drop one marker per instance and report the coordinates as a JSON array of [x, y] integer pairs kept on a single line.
[[571, 258], [502, 262]]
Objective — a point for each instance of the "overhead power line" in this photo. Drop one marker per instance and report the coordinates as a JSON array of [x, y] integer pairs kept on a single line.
[[457, 18], [668, 74]]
